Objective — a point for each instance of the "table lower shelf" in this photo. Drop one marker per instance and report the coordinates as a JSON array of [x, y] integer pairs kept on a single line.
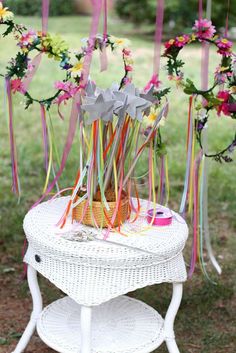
[[122, 325]]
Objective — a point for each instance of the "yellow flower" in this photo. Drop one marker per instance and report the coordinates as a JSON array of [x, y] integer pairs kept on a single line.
[[223, 68], [129, 61], [151, 118], [224, 40], [120, 43], [5, 14], [171, 41], [76, 69], [233, 90], [181, 39]]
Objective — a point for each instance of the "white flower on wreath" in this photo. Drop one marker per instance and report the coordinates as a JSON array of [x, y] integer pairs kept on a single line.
[[151, 117], [119, 43], [5, 14], [76, 70], [72, 54]]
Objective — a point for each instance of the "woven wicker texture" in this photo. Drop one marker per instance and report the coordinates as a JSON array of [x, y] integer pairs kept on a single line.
[[122, 325], [102, 216], [95, 271]]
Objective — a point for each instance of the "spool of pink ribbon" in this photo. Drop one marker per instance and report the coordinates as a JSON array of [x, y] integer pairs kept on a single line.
[[162, 216]]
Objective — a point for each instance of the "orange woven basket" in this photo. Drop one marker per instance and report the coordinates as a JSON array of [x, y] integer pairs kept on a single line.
[[102, 216]]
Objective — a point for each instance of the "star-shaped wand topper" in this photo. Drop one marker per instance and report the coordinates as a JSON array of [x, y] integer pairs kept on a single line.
[[99, 109], [135, 104]]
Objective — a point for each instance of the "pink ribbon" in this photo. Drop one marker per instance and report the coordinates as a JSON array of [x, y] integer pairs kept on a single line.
[[97, 6], [227, 20], [70, 136], [195, 213], [200, 11], [162, 181], [205, 65], [162, 217], [37, 59], [30, 73], [14, 166], [158, 35], [75, 111], [103, 53], [154, 81], [45, 13]]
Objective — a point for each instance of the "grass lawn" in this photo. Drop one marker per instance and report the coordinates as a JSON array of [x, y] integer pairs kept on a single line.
[[206, 322]]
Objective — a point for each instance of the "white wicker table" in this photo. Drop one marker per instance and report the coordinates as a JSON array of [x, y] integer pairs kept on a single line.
[[96, 317]]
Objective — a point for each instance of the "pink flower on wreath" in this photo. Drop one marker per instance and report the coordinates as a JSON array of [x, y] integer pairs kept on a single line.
[[204, 29], [17, 86], [30, 67], [127, 80], [69, 89], [181, 41], [27, 38], [224, 46], [127, 52], [169, 44], [62, 98], [224, 106], [128, 68]]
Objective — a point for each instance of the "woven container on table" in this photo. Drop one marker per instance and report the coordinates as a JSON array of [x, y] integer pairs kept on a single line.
[[103, 217]]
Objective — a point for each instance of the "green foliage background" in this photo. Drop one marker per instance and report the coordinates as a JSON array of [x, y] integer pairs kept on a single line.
[[182, 12], [33, 7]]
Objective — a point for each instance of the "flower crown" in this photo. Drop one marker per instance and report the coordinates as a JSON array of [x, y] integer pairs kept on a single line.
[[221, 95]]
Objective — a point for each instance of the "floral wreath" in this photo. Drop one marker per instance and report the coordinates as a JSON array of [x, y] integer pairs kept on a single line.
[[56, 48], [224, 101]]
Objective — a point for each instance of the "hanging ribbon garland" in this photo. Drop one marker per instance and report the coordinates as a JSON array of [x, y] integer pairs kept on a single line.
[[14, 165], [204, 224], [195, 192], [154, 84]]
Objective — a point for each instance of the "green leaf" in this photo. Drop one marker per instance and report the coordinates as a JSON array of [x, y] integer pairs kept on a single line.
[[9, 29], [15, 334], [3, 341]]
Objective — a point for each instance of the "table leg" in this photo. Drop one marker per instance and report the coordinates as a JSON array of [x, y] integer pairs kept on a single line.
[[85, 320], [170, 318], [37, 309]]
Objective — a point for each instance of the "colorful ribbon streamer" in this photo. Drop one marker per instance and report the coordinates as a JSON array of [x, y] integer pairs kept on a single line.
[[103, 52], [75, 111], [45, 13], [154, 81], [14, 165], [45, 137]]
